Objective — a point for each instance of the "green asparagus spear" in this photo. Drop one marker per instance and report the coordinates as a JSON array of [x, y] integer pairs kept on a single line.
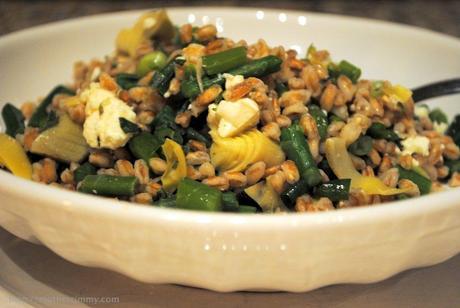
[[257, 68], [335, 190], [108, 185], [295, 146], [224, 61], [194, 195]]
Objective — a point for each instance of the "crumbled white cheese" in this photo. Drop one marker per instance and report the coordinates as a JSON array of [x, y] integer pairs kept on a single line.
[[421, 111], [416, 144], [232, 80], [103, 111], [236, 117], [440, 127]]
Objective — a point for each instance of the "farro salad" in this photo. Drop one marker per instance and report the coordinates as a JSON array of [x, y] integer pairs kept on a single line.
[[180, 117]]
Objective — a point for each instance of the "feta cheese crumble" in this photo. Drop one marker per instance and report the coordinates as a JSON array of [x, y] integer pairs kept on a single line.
[[102, 125]]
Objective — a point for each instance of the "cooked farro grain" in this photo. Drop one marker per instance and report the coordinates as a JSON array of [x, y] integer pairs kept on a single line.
[[141, 171], [219, 182], [255, 172], [124, 167], [236, 179], [143, 198], [207, 170], [157, 165], [101, 159], [272, 131]]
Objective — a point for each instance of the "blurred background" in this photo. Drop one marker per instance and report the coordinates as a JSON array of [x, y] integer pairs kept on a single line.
[[438, 15]]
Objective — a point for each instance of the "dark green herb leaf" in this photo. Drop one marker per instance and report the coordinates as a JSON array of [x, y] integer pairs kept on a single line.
[[129, 127], [127, 81], [362, 146], [454, 130], [13, 119], [40, 117]]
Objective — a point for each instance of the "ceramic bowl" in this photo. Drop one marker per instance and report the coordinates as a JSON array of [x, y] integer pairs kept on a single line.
[[221, 251]]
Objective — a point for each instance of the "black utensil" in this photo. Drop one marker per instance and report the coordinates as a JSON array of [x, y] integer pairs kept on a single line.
[[440, 88]]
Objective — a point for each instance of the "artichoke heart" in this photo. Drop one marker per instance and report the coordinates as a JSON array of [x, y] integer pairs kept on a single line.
[[63, 142], [265, 196], [236, 153], [154, 24]]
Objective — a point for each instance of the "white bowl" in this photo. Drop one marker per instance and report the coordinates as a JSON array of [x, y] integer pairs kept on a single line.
[[229, 252]]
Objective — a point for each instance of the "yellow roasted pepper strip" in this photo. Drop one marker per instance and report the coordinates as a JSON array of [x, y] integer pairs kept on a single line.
[[398, 93], [342, 165], [13, 157], [176, 167]]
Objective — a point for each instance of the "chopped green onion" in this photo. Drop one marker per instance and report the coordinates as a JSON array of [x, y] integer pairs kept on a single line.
[[344, 68], [169, 202], [165, 132], [379, 131], [335, 190], [293, 191], [377, 88], [454, 130], [453, 165], [247, 209], [335, 118], [224, 61], [320, 118], [161, 78], [144, 146], [256, 68], [229, 202], [82, 171], [280, 88], [437, 115], [351, 71], [164, 118], [191, 133]]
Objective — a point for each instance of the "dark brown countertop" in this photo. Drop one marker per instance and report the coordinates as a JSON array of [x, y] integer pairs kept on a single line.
[[438, 15]]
